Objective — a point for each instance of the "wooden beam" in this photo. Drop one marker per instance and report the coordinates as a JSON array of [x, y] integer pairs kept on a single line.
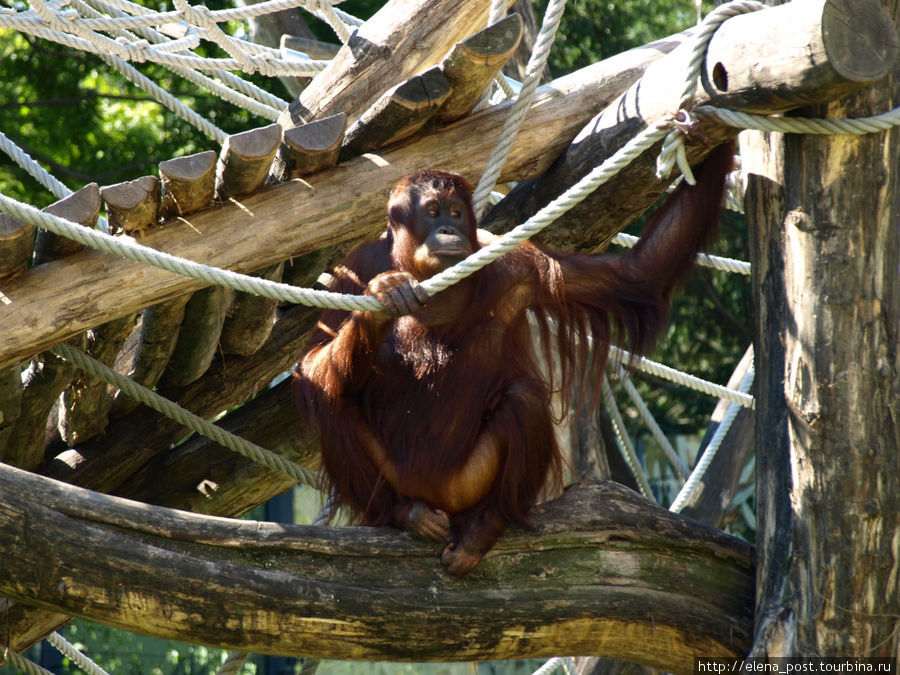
[[401, 39], [49, 303], [250, 318], [767, 61], [641, 583]]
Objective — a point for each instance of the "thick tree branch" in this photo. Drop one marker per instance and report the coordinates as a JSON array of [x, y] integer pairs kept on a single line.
[[604, 572]]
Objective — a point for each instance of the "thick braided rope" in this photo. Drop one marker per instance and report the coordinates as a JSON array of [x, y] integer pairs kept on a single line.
[[68, 650], [667, 373], [651, 423], [268, 62], [233, 663], [624, 441], [25, 665], [35, 170], [244, 94], [703, 259], [804, 125], [187, 418], [533, 71], [709, 454]]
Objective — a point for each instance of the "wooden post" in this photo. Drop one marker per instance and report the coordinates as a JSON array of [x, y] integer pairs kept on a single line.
[[474, 63], [403, 38], [85, 404], [16, 246], [81, 207], [198, 340], [310, 148], [245, 161], [160, 328], [250, 318], [188, 184], [133, 206], [826, 253]]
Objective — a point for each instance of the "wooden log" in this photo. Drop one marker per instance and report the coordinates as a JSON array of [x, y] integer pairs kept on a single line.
[[81, 207], [16, 246], [474, 63], [104, 463], [310, 148], [333, 206], [160, 328], [245, 161], [188, 184], [250, 319], [215, 481], [518, 63], [641, 583], [401, 39], [10, 404], [198, 339], [46, 378], [86, 402], [305, 270], [741, 46], [398, 114], [132, 207]]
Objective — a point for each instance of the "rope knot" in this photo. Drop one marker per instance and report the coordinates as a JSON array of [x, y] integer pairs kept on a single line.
[[683, 125]]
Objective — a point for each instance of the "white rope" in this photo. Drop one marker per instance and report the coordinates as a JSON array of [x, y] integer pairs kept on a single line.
[[324, 10], [685, 379], [703, 259], [533, 70], [183, 416], [673, 150], [709, 454], [803, 125], [263, 59], [34, 169], [624, 441], [68, 650], [651, 423], [25, 665], [244, 94], [566, 663]]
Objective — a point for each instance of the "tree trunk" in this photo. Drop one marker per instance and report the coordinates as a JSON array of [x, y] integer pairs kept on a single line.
[[826, 252]]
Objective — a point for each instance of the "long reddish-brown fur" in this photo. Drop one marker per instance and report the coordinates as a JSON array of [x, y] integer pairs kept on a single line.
[[428, 392]]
